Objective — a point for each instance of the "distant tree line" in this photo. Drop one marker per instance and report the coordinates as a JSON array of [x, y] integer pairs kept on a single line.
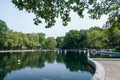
[[93, 38], [10, 39]]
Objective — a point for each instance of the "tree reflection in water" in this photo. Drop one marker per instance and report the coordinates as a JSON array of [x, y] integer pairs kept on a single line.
[[74, 61]]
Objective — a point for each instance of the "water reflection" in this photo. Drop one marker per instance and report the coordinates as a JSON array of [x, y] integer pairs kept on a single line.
[[42, 66]]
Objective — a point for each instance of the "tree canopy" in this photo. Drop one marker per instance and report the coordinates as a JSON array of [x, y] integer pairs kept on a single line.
[[10, 39], [3, 33], [93, 38], [96, 38], [49, 10]]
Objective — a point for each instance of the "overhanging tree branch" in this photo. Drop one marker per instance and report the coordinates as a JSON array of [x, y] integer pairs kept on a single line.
[[51, 9]]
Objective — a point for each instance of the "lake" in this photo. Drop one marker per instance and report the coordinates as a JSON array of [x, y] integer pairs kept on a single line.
[[48, 65]]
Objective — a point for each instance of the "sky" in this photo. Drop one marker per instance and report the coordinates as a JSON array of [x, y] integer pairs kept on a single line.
[[22, 21]]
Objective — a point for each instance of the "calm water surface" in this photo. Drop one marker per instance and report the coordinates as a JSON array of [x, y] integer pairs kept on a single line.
[[44, 66]]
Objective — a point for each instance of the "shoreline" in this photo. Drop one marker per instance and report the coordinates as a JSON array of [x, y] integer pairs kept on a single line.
[[5, 51], [99, 70]]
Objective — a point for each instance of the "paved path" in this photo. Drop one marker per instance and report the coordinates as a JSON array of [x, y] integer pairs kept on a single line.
[[112, 68]]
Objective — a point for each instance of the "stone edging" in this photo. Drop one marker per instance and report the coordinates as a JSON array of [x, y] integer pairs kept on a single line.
[[99, 70]]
